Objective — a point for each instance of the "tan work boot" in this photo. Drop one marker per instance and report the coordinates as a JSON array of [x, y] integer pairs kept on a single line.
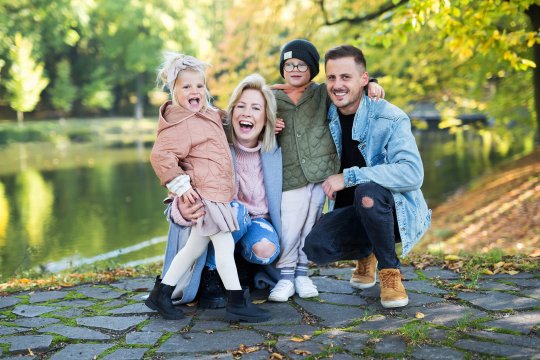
[[393, 292], [365, 274]]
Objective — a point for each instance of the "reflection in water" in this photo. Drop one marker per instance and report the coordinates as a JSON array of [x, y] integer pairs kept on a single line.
[[4, 215]]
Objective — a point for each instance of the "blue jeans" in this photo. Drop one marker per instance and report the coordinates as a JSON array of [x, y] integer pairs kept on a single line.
[[250, 233], [355, 231]]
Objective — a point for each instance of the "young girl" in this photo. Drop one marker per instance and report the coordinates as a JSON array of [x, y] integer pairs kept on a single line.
[[192, 159]]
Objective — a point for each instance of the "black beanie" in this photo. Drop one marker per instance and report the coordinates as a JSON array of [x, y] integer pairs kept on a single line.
[[302, 50]]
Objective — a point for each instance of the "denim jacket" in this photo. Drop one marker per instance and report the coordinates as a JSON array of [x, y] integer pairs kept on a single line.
[[392, 161]]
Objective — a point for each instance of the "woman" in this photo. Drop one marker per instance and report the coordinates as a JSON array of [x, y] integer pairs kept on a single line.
[[252, 110]]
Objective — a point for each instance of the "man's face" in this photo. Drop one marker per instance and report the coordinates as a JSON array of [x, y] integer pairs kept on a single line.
[[345, 81]]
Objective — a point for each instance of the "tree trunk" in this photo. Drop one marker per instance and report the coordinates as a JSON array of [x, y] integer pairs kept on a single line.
[[139, 105], [534, 13], [20, 118]]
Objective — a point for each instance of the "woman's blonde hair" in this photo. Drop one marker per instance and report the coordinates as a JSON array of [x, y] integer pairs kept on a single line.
[[256, 82], [171, 68]]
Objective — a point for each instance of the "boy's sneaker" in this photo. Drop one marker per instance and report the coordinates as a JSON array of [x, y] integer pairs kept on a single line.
[[393, 292], [305, 288], [283, 290], [365, 274]]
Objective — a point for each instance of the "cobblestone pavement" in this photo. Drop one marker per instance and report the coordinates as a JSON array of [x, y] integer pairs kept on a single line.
[[443, 320]]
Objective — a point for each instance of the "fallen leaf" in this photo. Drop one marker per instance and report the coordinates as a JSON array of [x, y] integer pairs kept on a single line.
[[457, 286], [307, 337], [276, 356], [419, 315], [499, 264], [301, 352], [261, 301], [30, 352], [452, 258], [487, 272], [512, 272], [297, 339], [209, 331]]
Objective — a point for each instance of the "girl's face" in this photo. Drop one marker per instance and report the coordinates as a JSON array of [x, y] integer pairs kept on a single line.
[[249, 117], [190, 90]]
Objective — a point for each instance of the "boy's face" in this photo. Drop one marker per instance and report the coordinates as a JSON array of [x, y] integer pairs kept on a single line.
[[296, 78]]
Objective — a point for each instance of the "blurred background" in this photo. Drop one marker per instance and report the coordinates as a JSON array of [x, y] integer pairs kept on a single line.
[[78, 101]]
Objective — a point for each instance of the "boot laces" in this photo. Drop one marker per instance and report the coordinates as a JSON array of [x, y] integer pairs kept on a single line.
[[390, 279], [362, 266]]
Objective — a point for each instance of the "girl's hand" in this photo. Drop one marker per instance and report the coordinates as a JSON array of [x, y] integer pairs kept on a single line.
[[190, 197], [191, 212], [375, 91], [280, 125]]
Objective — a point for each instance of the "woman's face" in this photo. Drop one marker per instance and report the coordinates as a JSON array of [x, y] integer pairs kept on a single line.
[[249, 117], [190, 90]]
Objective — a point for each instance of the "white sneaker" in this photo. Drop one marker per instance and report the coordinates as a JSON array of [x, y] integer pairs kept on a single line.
[[305, 288], [283, 290]]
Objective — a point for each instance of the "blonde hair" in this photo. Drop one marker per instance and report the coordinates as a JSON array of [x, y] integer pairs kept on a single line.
[[256, 82], [171, 68]]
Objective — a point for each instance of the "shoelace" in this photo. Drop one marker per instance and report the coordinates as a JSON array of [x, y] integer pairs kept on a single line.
[[389, 280], [362, 266]]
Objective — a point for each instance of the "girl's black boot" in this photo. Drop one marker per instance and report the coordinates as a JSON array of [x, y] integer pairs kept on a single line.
[[240, 307], [160, 300]]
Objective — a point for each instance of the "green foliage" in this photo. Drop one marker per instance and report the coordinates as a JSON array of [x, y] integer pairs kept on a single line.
[[27, 77], [97, 93], [415, 332], [63, 93]]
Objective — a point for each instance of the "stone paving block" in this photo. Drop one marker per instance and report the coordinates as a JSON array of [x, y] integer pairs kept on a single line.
[[445, 314], [111, 322], [382, 323], [204, 325], [409, 272], [280, 313], [416, 299], [495, 285], [353, 342], [8, 330], [343, 299], [18, 357], [75, 332], [81, 351], [529, 283], [143, 337], [442, 274], [287, 329], [139, 284], [114, 303], [423, 286], [138, 309], [510, 351], [333, 286], [163, 325], [35, 322], [437, 353], [526, 341], [372, 292], [32, 310], [391, 344], [332, 271], [100, 292], [438, 334], [523, 322], [70, 313], [499, 301], [47, 296], [126, 354], [21, 344], [218, 341], [342, 356], [298, 350], [8, 301], [535, 293], [262, 354], [521, 275], [332, 315], [75, 303]]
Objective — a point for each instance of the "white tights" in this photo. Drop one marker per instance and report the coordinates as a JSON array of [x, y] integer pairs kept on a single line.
[[224, 247]]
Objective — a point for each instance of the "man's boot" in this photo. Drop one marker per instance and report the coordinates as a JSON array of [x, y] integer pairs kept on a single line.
[[212, 294], [240, 307], [393, 292], [160, 300], [365, 274]]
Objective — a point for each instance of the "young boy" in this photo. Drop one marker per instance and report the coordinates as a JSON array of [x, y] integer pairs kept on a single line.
[[309, 157]]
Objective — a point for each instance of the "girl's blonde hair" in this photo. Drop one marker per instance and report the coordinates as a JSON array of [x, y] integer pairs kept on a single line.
[[256, 82], [171, 68]]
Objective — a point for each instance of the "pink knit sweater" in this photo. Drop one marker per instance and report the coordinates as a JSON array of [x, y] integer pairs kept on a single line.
[[251, 191]]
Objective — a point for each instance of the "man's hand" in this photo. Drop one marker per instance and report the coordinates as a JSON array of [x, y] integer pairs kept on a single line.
[[191, 212], [333, 184], [280, 125], [375, 91]]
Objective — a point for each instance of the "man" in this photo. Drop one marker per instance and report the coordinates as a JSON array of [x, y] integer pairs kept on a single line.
[[378, 200]]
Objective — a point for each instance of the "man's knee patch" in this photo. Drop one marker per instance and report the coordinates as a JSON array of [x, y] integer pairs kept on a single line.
[[367, 202]]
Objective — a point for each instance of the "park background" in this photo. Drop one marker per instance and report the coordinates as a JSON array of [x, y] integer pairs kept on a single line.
[[78, 105]]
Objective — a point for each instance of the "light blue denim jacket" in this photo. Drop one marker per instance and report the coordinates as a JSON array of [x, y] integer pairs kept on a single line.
[[392, 161], [187, 287]]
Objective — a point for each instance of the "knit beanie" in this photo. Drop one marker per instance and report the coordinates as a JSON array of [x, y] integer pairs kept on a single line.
[[302, 50]]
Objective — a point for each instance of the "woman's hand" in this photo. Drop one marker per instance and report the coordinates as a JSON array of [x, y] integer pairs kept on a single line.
[[191, 212], [280, 125]]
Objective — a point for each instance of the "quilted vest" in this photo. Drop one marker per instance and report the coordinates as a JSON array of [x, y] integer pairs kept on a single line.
[[309, 153]]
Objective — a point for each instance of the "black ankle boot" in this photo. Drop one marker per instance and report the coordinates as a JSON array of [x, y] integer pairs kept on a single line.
[[212, 291], [160, 300], [240, 307]]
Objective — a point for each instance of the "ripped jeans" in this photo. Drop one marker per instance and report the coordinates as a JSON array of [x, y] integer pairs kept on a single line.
[[251, 232]]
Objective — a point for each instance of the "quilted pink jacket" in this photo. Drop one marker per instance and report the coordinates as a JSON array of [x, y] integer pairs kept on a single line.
[[194, 144]]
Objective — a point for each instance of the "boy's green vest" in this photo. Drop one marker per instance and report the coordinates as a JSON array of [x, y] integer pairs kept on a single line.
[[309, 153]]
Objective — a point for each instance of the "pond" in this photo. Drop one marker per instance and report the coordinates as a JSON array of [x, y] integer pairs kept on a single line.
[[79, 204]]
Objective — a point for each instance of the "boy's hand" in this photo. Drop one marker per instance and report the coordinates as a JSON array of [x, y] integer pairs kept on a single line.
[[280, 125], [190, 196], [375, 91], [333, 184]]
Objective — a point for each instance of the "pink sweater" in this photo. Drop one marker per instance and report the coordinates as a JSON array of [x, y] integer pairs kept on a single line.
[[251, 191]]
